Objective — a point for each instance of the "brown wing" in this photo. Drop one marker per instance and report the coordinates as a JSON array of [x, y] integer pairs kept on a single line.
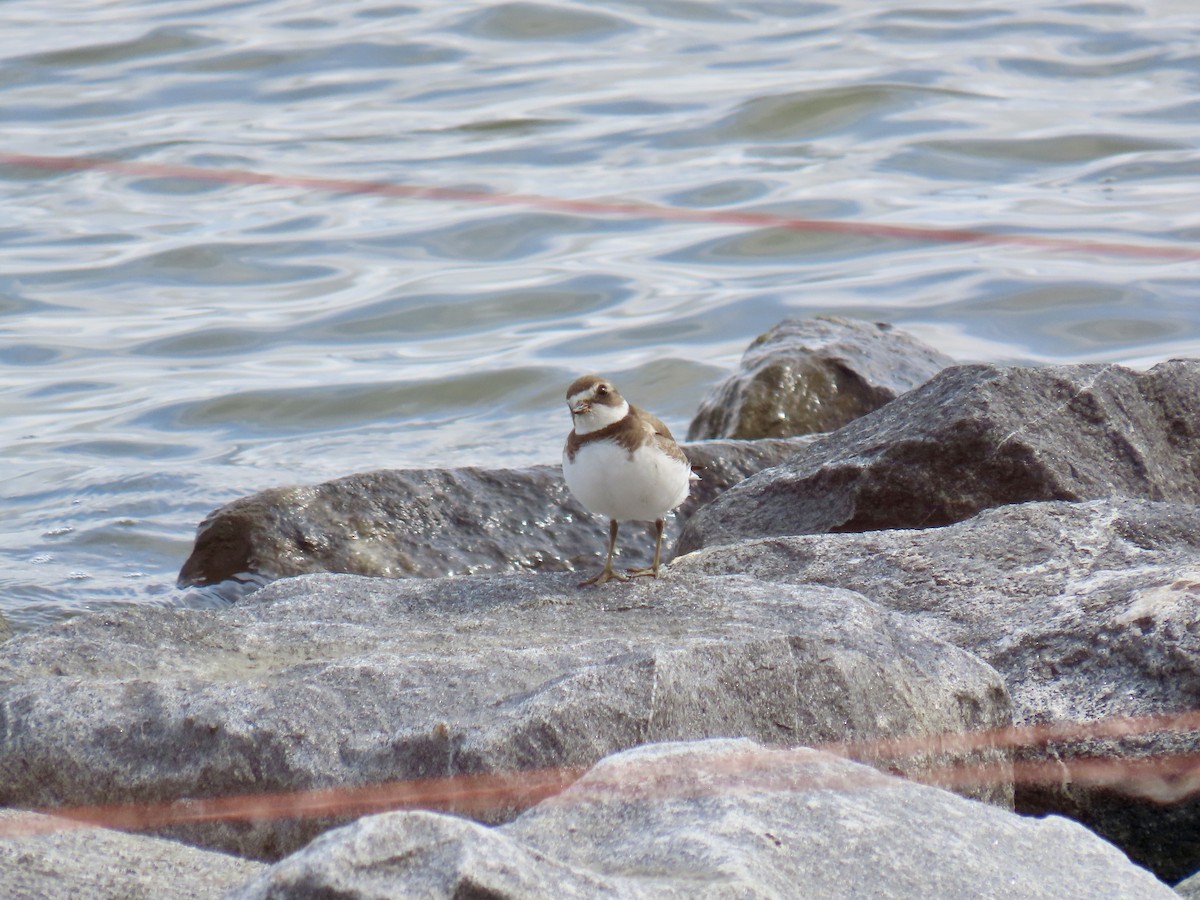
[[662, 437]]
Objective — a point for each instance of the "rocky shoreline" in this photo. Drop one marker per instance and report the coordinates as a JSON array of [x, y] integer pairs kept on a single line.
[[972, 548]]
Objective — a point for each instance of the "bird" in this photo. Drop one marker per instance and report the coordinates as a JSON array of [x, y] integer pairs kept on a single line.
[[622, 463]]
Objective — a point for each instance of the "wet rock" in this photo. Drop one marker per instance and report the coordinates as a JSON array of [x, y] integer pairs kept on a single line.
[[41, 856], [811, 375], [329, 680], [718, 818], [976, 437], [431, 522], [1090, 611], [5, 629]]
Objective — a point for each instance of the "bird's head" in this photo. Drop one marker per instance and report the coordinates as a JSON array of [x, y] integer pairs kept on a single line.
[[594, 403]]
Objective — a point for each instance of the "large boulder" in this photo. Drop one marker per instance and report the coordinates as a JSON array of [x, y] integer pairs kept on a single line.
[[976, 437], [432, 522], [1090, 611], [717, 818], [335, 680], [41, 856], [811, 375]]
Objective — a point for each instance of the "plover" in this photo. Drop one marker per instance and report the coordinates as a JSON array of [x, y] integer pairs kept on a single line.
[[621, 462]]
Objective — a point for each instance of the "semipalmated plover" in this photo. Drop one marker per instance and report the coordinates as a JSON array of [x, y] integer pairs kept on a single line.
[[621, 462]]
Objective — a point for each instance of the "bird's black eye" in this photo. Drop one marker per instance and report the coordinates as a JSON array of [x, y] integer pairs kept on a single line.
[[602, 391]]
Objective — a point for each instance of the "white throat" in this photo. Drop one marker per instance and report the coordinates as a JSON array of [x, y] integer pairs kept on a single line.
[[599, 416]]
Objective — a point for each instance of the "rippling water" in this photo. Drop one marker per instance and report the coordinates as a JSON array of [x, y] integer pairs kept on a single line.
[[169, 344]]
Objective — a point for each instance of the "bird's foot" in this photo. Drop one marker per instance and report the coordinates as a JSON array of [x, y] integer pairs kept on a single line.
[[604, 575], [651, 572]]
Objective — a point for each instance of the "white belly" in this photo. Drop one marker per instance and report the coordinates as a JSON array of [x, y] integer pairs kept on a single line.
[[610, 483]]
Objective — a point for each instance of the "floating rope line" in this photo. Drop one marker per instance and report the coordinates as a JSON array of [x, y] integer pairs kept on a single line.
[[1160, 779], [616, 208]]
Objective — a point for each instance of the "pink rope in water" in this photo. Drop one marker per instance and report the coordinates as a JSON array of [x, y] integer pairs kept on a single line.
[[618, 208], [1162, 779]]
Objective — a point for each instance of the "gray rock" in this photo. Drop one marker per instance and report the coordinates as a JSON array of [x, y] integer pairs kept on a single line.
[[334, 680], [431, 522], [718, 818], [1189, 887], [1091, 611], [5, 629], [41, 856], [976, 437], [812, 375]]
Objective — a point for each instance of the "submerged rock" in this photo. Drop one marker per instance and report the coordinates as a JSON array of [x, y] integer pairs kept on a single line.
[[976, 437], [1090, 611], [811, 375], [432, 522], [41, 856], [718, 818], [332, 680]]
